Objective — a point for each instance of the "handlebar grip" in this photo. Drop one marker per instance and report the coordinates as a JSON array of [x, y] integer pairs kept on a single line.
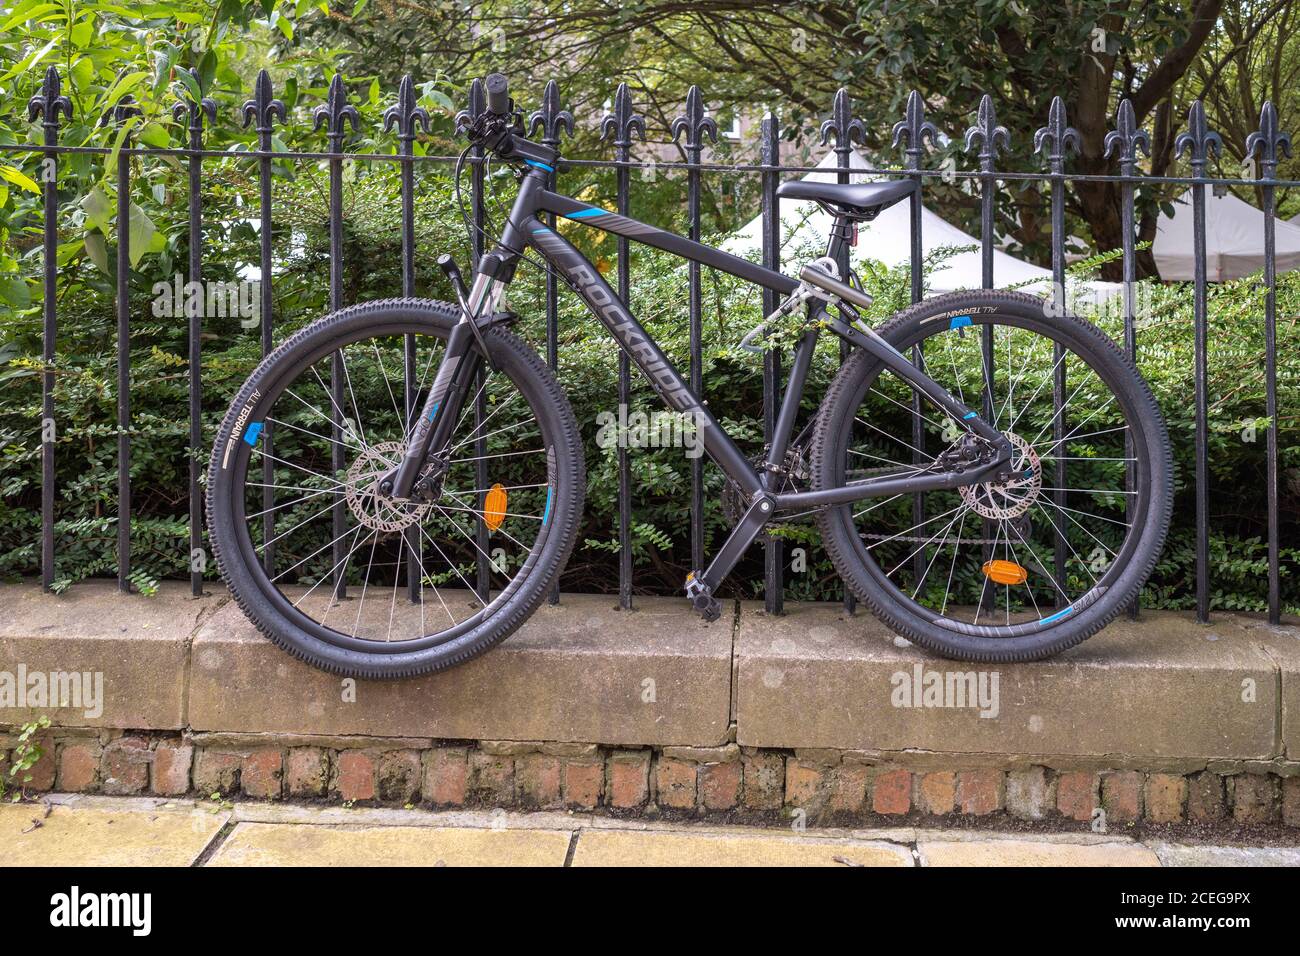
[[497, 88]]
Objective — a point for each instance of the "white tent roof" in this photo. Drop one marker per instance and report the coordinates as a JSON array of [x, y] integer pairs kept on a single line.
[[1234, 240], [887, 239]]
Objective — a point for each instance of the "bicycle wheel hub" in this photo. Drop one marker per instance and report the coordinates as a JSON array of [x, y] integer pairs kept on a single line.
[[1010, 499], [370, 506]]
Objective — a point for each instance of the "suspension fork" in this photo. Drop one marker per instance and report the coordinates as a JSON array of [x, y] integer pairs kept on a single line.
[[431, 433]]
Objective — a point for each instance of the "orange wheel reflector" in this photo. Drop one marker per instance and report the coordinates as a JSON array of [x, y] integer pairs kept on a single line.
[[494, 507], [1005, 572]]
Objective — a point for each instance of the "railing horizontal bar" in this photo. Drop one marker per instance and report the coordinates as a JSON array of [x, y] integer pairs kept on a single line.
[[754, 168]]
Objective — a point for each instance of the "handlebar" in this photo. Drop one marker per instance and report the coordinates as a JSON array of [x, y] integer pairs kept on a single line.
[[497, 88], [499, 129]]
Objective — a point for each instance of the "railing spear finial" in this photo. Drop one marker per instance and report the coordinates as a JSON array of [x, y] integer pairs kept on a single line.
[[550, 120], [695, 123], [193, 106], [263, 108], [913, 130], [842, 125], [622, 124], [50, 101], [1126, 140], [335, 115], [406, 114]]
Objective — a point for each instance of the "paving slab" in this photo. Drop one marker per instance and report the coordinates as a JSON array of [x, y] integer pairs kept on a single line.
[[297, 844], [660, 848], [122, 835], [1031, 852], [1190, 854], [581, 671], [119, 659], [1161, 687]]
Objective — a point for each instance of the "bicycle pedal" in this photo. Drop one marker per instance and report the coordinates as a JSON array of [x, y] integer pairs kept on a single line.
[[702, 599]]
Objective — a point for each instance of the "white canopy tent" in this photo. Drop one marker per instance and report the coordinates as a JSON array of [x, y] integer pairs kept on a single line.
[[1234, 240], [887, 239]]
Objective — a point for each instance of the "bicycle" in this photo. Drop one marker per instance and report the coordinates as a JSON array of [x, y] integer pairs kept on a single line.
[[950, 488]]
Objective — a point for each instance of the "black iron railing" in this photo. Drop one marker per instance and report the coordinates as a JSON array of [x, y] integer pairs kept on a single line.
[[622, 127]]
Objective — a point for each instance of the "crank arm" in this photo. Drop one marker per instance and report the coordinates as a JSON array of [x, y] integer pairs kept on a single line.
[[761, 509]]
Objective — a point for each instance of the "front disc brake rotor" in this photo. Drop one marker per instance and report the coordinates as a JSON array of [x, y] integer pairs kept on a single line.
[[372, 508]]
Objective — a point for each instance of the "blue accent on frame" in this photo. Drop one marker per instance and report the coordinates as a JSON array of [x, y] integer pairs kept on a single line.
[[435, 410], [547, 513], [585, 213], [968, 416], [1058, 615], [542, 229], [958, 321], [533, 162], [254, 432]]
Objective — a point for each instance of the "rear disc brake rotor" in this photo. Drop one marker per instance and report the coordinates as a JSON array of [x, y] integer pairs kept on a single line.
[[1010, 499]]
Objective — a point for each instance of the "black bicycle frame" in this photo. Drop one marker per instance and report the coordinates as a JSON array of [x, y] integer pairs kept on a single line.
[[525, 228]]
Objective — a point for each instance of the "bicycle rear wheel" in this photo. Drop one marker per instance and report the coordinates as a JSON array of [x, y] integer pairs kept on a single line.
[[1007, 571], [360, 584]]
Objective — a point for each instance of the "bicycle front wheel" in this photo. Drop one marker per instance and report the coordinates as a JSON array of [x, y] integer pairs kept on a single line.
[[350, 580], [1008, 571]]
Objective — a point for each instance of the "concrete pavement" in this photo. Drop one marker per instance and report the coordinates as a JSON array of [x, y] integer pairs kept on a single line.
[[81, 830]]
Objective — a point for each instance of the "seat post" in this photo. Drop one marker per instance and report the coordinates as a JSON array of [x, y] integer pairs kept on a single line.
[[839, 239]]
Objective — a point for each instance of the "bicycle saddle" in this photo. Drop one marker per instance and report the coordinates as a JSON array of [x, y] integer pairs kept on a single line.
[[861, 200]]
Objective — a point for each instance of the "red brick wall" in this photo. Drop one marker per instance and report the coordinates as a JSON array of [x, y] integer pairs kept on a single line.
[[821, 786]]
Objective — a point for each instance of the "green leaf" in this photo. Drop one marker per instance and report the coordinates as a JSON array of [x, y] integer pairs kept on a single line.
[[30, 61], [208, 69], [110, 163], [191, 85], [81, 32], [13, 289], [83, 72], [97, 208], [155, 135], [16, 176], [141, 234], [97, 250], [125, 84], [28, 10]]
